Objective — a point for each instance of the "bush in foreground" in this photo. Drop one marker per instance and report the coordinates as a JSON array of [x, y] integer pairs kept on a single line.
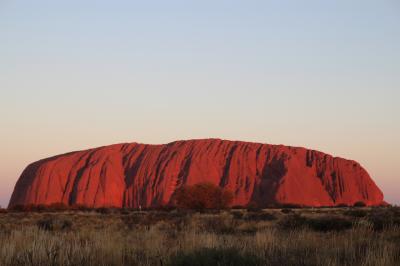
[[321, 224], [264, 216], [214, 256], [382, 219], [357, 213], [202, 196], [360, 204], [51, 224]]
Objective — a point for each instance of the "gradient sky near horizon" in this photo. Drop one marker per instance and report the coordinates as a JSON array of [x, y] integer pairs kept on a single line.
[[319, 74]]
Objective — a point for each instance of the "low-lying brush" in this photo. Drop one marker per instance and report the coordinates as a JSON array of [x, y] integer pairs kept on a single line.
[[221, 224], [214, 256], [51, 224], [383, 221], [263, 216], [356, 213], [328, 236], [322, 224]]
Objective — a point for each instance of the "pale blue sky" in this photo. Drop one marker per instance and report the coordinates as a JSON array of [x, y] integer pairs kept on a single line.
[[320, 74]]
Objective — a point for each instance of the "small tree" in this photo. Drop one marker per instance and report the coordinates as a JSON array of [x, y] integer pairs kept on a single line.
[[202, 196]]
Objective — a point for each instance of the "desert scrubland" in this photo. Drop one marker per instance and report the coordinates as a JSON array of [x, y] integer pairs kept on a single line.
[[325, 236]]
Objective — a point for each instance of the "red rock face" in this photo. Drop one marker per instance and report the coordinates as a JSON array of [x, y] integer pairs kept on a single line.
[[129, 175]]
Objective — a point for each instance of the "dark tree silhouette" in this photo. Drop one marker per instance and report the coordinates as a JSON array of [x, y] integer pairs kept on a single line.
[[202, 196]]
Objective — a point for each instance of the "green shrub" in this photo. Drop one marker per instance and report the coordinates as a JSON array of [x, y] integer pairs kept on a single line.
[[214, 256]]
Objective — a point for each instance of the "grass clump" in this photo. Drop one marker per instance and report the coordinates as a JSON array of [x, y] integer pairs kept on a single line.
[[356, 213], [263, 216], [52, 224], [321, 224], [214, 257]]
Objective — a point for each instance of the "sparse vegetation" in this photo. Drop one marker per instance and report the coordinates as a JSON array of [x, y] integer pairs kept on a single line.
[[260, 216], [215, 256], [51, 224], [328, 236], [356, 213]]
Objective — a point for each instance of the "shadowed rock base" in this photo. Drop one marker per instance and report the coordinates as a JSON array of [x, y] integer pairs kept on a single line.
[[133, 175]]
